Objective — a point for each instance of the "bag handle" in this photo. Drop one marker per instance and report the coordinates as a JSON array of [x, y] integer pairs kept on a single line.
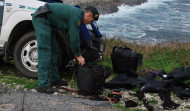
[[114, 49], [123, 47]]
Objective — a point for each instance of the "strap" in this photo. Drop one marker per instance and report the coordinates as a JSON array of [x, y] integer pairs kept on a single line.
[[69, 90], [124, 47], [114, 49], [112, 99], [140, 57]]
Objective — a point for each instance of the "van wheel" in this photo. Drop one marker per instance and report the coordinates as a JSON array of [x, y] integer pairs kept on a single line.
[[26, 57]]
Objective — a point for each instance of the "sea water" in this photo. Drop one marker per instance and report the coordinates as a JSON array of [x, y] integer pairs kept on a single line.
[[153, 21]]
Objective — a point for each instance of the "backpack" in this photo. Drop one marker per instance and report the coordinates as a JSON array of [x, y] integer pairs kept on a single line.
[[125, 60]]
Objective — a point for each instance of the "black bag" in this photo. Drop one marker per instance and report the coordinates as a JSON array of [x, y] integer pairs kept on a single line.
[[90, 55], [125, 60], [91, 77]]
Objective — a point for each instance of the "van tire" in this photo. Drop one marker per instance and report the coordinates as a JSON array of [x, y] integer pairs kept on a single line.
[[24, 66]]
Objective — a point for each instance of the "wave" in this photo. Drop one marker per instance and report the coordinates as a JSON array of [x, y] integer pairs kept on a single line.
[[125, 10], [153, 20]]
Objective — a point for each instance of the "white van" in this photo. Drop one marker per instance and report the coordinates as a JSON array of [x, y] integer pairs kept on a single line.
[[18, 39]]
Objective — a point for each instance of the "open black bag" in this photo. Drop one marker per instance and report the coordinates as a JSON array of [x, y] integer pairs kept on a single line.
[[125, 60], [91, 77], [90, 55]]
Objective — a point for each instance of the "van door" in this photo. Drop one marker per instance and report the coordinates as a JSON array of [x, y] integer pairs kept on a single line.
[[1, 13]]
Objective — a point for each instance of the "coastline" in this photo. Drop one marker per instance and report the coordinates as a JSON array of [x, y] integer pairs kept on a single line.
[[105, 6]]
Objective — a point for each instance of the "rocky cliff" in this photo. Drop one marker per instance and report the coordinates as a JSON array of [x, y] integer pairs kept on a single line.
[[105, 6]]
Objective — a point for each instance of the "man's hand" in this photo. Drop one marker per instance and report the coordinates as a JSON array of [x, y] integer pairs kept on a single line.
[[81, 60]]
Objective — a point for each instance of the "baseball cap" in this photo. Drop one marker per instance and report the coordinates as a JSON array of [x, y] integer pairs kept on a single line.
[[94, 12]]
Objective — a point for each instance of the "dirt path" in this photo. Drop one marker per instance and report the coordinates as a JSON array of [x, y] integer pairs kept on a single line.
[[34, 101]]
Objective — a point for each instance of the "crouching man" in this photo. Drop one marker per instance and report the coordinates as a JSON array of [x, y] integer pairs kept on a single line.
[[46, 20]]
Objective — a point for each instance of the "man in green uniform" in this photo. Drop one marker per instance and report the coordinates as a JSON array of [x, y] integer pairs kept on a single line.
[[46, 20]]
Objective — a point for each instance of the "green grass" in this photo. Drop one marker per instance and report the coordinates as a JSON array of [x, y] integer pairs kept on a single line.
[[188, 106], [3, 107], [153, 101], [165, 60], [18, 80], [187, 81], [71, 78]]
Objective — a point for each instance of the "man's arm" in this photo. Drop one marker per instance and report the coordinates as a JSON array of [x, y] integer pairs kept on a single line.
[[74, 39]]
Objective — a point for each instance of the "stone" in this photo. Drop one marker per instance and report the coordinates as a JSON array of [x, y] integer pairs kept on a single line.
[[55, 93], [33, 90]]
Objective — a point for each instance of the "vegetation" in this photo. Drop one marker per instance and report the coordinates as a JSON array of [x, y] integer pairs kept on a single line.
[[153, 101], [119, 106], [9, 75], [165, 56], [188, 106], [159, 56]]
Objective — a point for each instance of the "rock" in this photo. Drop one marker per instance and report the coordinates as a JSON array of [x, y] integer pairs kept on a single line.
[[176, 101], [76, 96], [3, 84], [33, 90], [22, 87], [148, 95], [18, 87], [25, 89], [61, 90], [55, 93], [8, 85], [59, 94], [104, 6]]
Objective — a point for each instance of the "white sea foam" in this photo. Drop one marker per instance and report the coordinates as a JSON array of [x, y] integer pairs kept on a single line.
[[152, 20], [125, 10]]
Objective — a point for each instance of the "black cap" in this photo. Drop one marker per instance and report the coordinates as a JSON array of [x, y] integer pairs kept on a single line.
[[94, 12]]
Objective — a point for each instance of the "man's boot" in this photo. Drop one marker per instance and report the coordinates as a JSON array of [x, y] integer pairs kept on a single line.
[[59, 83], [47, 90]]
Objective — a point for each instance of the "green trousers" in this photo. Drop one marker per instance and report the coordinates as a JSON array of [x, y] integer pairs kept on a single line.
[[47, 52]]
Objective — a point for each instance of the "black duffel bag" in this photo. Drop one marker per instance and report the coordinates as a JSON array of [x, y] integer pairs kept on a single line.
[[125, 60], [91, 77]]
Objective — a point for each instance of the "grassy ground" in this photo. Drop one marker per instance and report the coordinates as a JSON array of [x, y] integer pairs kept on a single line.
[[159, 56], [9, 75], [165, 56]]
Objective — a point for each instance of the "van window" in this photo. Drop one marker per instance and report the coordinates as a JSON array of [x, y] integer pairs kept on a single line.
[[1, 13]]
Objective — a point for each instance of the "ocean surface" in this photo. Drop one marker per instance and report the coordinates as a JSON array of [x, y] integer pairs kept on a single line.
[[153, 21]]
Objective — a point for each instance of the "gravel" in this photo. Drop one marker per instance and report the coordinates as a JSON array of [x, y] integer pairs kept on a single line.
[[34, 101], [30, 100]]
